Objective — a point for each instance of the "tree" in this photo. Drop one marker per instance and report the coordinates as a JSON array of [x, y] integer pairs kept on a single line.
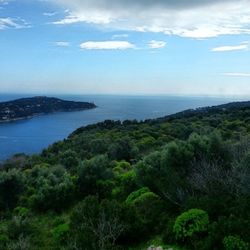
[[235, 243], [98, 146], [93, 173], [69, 159], [52, 187], [122, 149], [96, 225], [165, 172], [11, 187]]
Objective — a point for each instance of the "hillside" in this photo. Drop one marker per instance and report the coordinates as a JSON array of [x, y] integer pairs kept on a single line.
[[181, 181], [28, 107]]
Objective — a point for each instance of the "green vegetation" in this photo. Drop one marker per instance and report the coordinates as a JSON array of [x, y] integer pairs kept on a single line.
[[189, 225], [235, 242], [28, 107], [179, 182]]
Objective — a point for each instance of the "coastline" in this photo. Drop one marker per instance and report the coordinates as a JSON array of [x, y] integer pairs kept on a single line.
[[41, 114], [16, 119], [33, 135]]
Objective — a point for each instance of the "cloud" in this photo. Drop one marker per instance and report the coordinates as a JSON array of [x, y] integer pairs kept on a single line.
[[193, 18], [14, 23], [107, 45], [62, 44], [156, 44], [50, 14], [72, 18], [237, 74], [4, 2], [242, 46]]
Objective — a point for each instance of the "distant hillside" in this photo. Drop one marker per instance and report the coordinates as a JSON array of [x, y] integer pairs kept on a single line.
[[230, 110], [229, 107], [28, 107]]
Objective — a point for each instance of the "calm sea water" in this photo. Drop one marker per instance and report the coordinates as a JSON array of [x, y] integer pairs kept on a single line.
[[31, 136]]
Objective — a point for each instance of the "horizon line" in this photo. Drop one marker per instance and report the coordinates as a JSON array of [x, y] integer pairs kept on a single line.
[[127, 94]]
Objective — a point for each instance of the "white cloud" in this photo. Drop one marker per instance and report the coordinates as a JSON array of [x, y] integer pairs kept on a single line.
[[194, 19], [49, 14], [14, 23], [237, 74], [107, 45], [72, 18], [4, 2], [62, 44], [156, 44], [242, 46]]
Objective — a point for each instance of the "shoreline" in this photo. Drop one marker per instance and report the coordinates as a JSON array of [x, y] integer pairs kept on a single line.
[[26, 108], [16, 119], [41, 114]]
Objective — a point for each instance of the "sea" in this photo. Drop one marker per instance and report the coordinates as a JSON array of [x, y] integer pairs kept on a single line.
[[31, 136]]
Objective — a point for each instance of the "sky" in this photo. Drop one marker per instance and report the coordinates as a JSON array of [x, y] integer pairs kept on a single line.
[[152, 47]]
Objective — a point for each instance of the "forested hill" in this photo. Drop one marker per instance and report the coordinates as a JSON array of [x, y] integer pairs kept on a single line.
[[229, 109], [179, 182], [224, 108], [28, 107]]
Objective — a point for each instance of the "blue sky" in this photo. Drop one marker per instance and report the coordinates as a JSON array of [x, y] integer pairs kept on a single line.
[[125, 47]]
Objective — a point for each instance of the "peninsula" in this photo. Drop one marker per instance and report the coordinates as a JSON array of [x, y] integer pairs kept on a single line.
[[28, 107]]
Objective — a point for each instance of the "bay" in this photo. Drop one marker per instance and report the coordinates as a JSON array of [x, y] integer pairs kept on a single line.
[[32, 135]]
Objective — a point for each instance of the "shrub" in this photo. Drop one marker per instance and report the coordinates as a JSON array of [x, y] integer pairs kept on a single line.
[[3, 241], [190, 223], [11, 186], [147, 207], [125, 184], [91, 172], [54, 188], [96, 225], [136, 194], [22, 243], [19, 226], [60, 232], [121, 167], [21, 211], [69, 159], [122, 149], [235, 243]]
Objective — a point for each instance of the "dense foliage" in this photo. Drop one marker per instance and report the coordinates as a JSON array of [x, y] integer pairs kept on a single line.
[[183, 179]]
